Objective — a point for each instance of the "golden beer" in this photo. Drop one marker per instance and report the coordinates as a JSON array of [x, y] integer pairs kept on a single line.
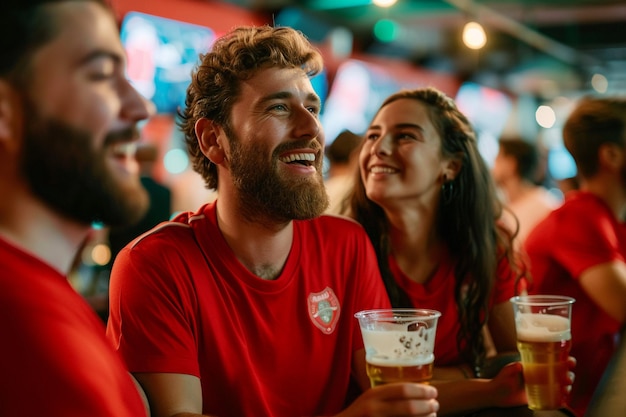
[[544, 347], [386, 374], [399, 344]]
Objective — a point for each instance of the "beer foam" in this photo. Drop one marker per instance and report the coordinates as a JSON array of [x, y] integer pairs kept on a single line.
[[386, 361], [398, 348], [532, 327]]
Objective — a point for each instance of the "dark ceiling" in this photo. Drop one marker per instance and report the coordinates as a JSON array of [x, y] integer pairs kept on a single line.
[[541, 47]]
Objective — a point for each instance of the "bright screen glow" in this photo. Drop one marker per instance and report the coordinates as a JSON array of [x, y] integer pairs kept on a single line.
[[161, 55], [561, 165], [488, 110], [357, 91]]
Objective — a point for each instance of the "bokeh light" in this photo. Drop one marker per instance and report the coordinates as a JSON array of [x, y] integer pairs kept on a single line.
[[599, 83], [176, 161], [545, 116], [386, 30], [474, 36]]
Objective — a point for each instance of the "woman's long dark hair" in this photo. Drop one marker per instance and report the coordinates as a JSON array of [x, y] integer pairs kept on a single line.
[[466, 222]]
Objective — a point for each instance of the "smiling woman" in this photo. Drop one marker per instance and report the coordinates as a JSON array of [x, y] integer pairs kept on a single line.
[[426, 199]]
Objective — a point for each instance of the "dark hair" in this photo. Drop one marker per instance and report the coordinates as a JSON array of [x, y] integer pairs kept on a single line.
[[340, 150], [466, 221], [25, 26], [216, 83], [526, 155], [592, 123]]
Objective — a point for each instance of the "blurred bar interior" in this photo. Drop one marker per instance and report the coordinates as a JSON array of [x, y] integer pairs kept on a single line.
[[538, 57]]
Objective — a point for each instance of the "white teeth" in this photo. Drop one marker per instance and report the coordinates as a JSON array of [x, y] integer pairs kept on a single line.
[[298, 157], [126, 149], [382, 170]]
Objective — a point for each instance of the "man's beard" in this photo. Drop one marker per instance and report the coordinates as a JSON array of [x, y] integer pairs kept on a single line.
[[264, 193], [66, 172]]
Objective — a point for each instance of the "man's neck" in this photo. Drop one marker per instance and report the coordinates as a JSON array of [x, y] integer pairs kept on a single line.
[[610, 191], [515, 189], [261, 245], [29, 224]]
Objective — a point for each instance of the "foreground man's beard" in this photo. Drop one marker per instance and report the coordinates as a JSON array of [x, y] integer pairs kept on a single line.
[[270, 195], [66, 172]]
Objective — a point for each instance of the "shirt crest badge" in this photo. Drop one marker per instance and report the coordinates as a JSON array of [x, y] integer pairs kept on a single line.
[[324, 310]]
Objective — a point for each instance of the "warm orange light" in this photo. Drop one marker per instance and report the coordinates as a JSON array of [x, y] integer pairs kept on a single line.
[[474, 36], [101, 254]]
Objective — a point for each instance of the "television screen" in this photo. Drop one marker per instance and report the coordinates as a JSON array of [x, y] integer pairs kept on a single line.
[[488, 111], [161, 55], [357, 91]]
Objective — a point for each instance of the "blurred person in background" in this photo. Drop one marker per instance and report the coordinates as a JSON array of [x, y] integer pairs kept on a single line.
[[246, 307], [579, 250], [516, 172], [160, 201], [67, 129], [568, 184], [428, 203], [342, 156], [159, 210], [160, 205]]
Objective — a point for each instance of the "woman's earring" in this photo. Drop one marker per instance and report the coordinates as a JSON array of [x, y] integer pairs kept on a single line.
[[447, 190]]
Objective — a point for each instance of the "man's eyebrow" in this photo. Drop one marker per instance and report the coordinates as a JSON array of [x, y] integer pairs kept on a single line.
[[286, 94], [314, 98]]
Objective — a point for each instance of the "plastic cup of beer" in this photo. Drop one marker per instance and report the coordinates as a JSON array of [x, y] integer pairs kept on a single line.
[[399, 344], [544, 340]]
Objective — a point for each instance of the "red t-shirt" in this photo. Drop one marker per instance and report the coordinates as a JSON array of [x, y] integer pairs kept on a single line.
[[579, 235], [54, 357], [438, 294], [182, 302]]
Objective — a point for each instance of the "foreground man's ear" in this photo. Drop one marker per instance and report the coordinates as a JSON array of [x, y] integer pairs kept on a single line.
[[10, 103], [210, 138]]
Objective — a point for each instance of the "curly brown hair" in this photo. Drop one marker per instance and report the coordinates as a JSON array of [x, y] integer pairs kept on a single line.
[[236, 57]]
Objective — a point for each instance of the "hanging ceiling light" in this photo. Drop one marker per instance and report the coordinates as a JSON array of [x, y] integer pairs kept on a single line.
[[384, 3], [474, 36]]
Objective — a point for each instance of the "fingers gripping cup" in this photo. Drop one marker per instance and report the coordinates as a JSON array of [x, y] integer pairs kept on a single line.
[[544, 341], [399, 344]]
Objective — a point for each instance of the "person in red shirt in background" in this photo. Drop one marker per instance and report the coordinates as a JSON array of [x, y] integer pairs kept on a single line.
[[68, 120], [579, 250]]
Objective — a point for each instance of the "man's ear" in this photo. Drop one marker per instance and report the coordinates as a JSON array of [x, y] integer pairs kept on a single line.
[[210, 138], [9, 113], [611, 156]]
